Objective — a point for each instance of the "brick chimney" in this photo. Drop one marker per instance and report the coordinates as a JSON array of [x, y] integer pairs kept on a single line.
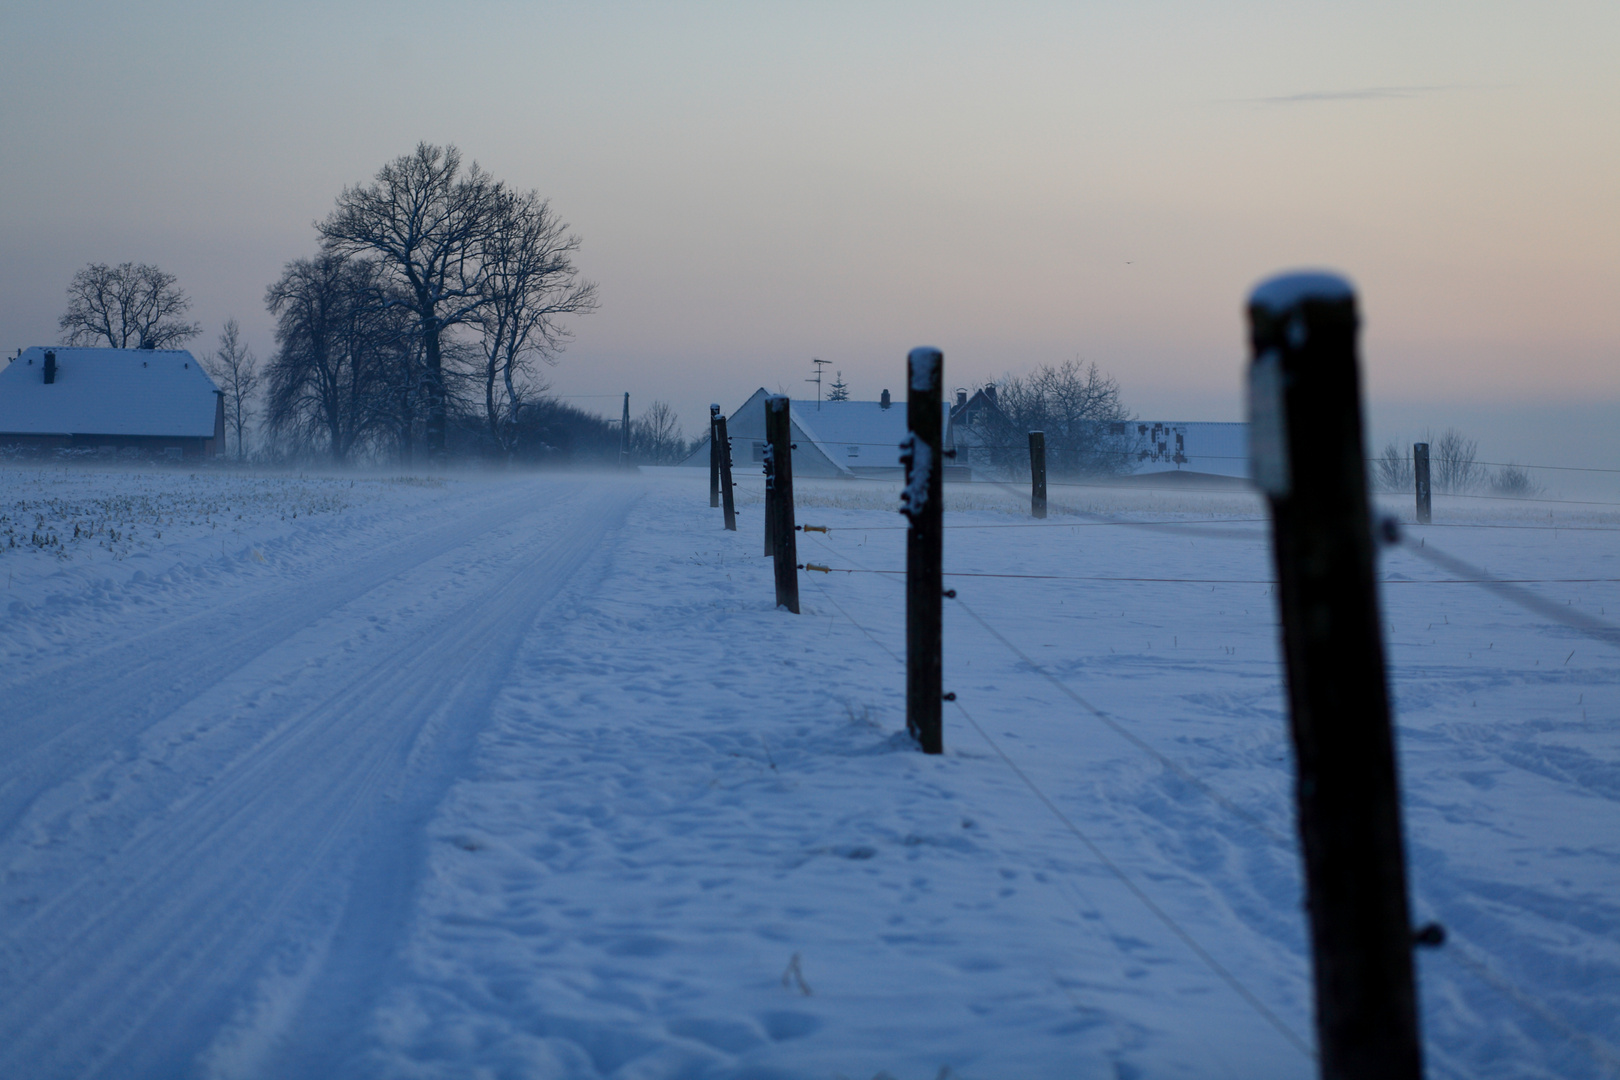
[[50, 367], [884, 400]]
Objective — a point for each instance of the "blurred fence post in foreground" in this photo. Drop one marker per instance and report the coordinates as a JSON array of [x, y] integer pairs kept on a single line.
[[779, 500], [1307, 457], [1037, 474], [1420, 480], [727, 498], [922, 503]]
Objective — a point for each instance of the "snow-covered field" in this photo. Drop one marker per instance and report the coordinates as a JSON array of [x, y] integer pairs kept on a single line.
[[523, 776]]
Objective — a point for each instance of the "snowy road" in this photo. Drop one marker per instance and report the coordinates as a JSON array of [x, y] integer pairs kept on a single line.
[[527, 777], [237, 794]]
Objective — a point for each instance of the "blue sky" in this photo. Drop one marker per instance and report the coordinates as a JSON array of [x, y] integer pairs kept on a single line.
[[757, 184]]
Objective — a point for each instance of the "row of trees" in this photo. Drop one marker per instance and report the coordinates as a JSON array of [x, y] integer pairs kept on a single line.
[[424, 320], [1454, 468], [1087, 427], [437, 295]]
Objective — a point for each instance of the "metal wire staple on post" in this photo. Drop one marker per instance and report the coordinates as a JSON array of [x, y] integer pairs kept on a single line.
[[1305, 440], [923, 505], [779, 437]]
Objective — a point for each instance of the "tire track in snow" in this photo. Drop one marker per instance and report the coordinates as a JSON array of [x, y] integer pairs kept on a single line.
[[109, 697], [138, 960]]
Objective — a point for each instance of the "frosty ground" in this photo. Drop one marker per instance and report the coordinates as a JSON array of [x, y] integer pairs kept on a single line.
[[524, 776]]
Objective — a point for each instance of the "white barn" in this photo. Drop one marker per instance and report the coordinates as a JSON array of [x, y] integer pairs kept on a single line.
[[850, 439], [1192, 448], [155, 401]]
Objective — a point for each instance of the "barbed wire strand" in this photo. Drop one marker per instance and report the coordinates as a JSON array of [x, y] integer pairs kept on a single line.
[[1596, 1048], [1589, 626], [1209, 961]]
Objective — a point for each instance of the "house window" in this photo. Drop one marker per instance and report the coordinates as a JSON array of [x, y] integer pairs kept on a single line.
[[854, 451], [759, 450]]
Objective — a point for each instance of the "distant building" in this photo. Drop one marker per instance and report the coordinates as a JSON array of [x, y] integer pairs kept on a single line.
[[851, 439], [156, 402], [1191, 448]]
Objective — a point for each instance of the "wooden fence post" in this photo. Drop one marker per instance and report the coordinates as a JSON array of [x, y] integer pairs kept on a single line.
[[624, 434], [770, 491], [1037, 474], [1306, 446], [1420, 480], [727, 499], [922, 503], [779, 485], [714, 458]]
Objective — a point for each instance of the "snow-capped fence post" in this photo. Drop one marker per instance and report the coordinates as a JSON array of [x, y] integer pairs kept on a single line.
[[923, 505], [779, 500], [1307, 457], [714, 457], [1037, 474], [1420, 480], [727, 499]]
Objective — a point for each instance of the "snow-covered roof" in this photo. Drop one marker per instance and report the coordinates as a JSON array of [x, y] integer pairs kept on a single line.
[[162, 392]]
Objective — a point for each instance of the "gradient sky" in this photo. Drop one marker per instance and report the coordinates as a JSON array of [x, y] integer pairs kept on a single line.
[[757, 184]]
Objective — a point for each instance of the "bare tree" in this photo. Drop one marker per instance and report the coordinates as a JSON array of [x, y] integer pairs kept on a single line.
[[131, 305], [656, 437], [1086, 426], [425, 221], [529, 282], [1514, 482], [1392, 469], [337, 338], [235, 369], [1455, 464]]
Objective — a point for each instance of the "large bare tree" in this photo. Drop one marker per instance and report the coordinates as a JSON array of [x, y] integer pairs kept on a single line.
[[236, 370], [337, 340], [529, 283], [131, 305], [425, 220], [1087, 427]]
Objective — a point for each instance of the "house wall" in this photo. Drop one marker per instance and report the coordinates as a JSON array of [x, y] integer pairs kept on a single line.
[[151, 446]]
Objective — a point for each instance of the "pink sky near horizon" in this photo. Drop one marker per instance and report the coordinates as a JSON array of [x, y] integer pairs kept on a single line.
[[759, 185]]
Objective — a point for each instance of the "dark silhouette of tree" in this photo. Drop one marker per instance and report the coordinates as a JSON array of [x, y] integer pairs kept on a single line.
[[1088, 430], [838, 391], [425, 221], [131, 305], [656, 437], [235, 369], [529, 282], [339, 339]]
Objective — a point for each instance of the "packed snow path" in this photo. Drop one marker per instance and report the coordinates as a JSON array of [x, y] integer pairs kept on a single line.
[[526, 777], [229, 792]]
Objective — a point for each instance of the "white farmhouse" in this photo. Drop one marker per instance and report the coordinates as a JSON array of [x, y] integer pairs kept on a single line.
[[152, 401], [850, 439]]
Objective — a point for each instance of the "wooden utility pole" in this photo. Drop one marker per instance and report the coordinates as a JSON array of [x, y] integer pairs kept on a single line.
[[1037, 474], [714, 458], [727, 500], [922, 503], [624, 434], [779, 500], [1420, 480], [1306, 446]]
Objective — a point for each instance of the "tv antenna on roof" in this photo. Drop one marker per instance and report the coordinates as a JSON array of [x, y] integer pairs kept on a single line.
[[817, 380]]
